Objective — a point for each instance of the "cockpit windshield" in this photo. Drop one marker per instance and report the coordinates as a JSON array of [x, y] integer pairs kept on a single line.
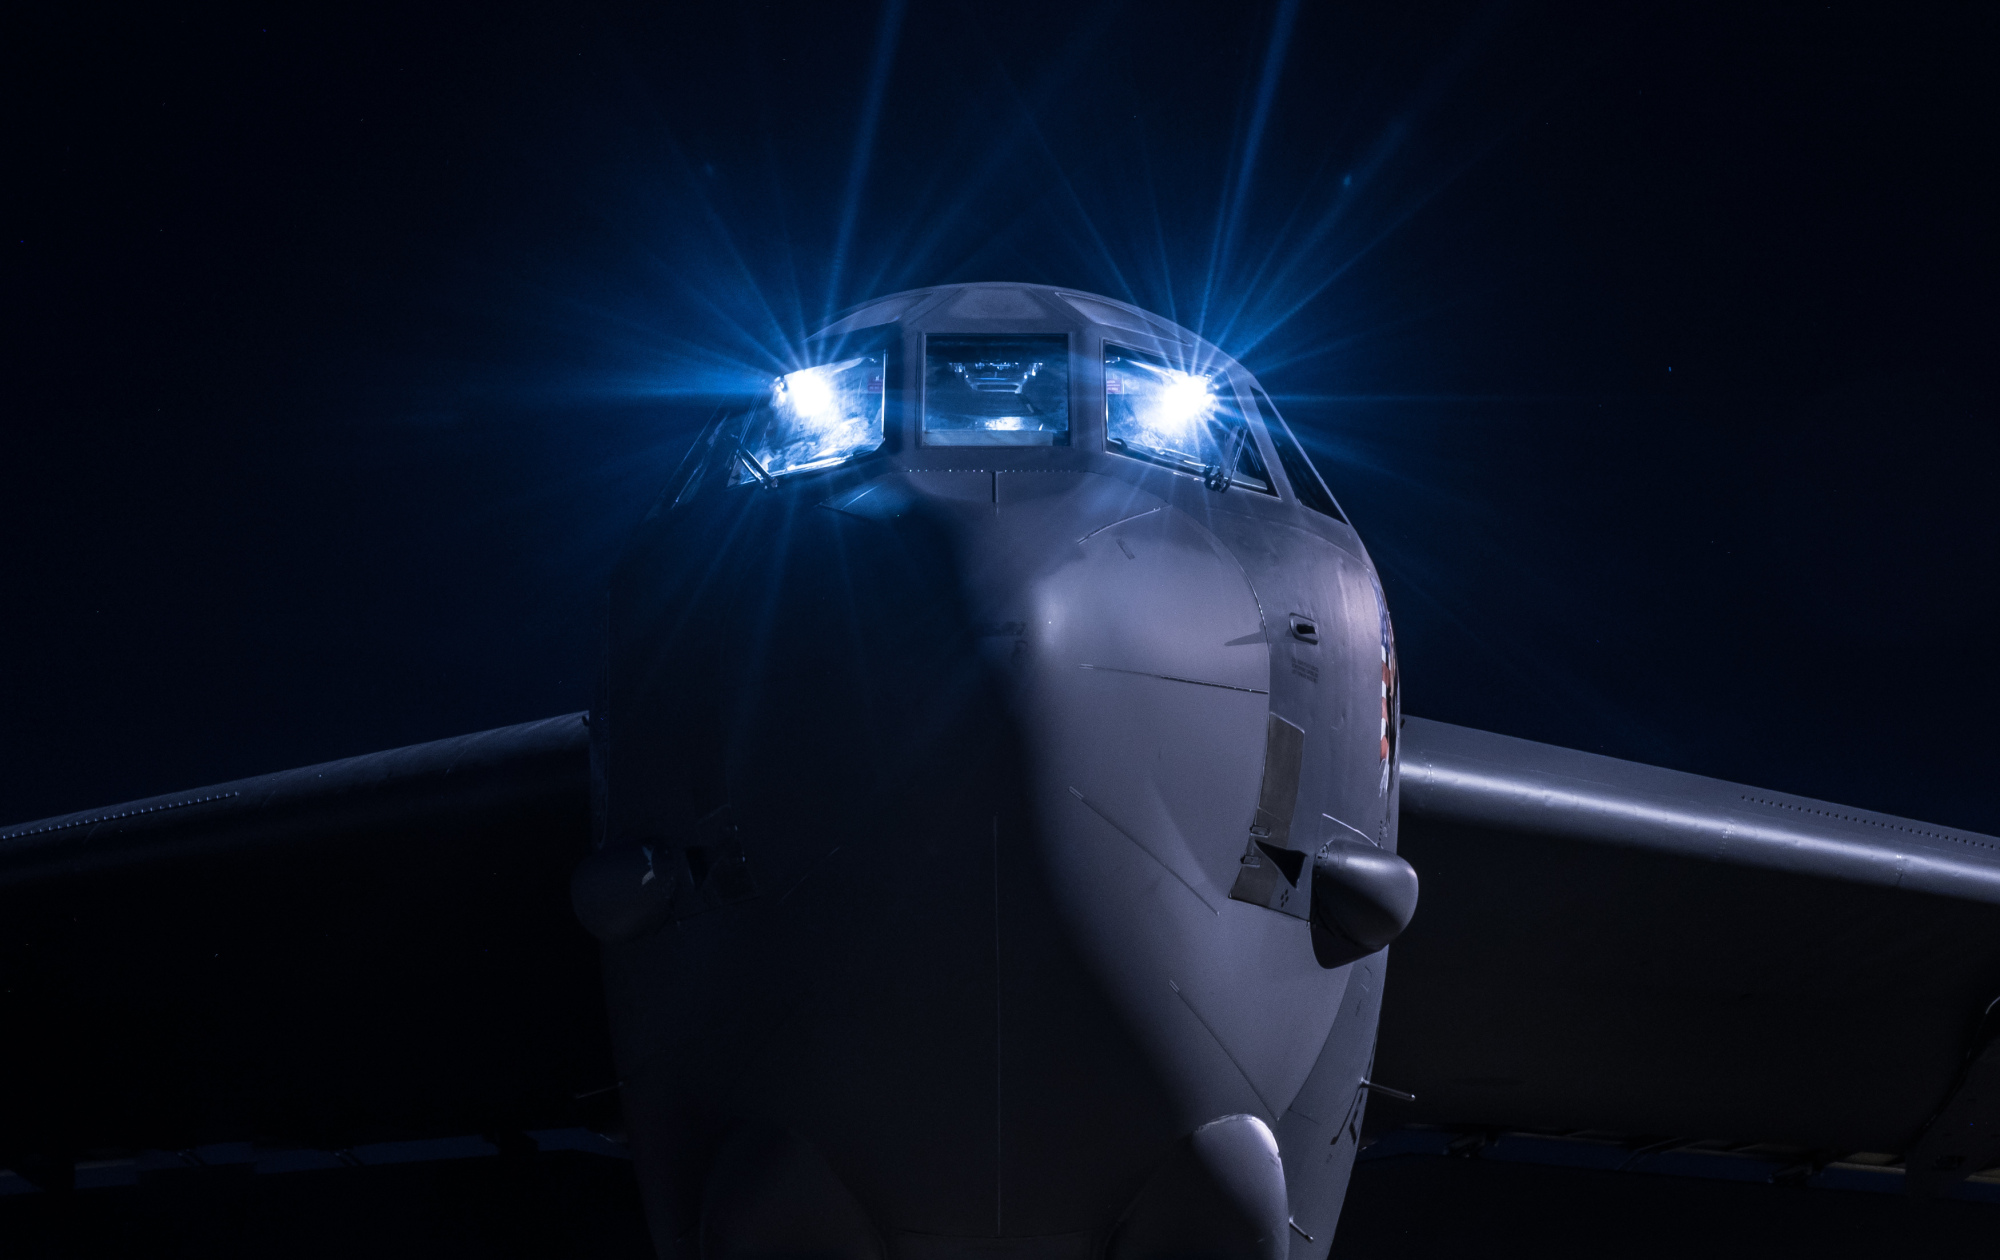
[[1186, 420], [813, 418], [996, 391], [1306, 483]]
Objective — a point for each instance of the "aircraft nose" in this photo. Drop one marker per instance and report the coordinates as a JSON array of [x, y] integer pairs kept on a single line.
[[978, 755], [1141, 682]]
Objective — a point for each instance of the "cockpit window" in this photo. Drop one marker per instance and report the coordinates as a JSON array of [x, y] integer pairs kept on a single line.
[[1185, 420], [1306, 483], [813, 418], [996, 391]]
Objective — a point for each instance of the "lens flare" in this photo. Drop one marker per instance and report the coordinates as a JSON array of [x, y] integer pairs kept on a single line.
[[1181, 400], [1186, 420], [816, 417], [810, 396]]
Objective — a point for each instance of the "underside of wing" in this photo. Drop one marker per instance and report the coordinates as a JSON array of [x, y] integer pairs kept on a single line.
[[1610, 947], [369, 949]]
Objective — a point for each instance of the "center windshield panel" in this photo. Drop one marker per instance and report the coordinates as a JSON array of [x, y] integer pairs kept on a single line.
[[996, 391], [1187, 420]]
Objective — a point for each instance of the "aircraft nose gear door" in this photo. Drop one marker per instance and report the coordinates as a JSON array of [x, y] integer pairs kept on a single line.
[[1272, 871]]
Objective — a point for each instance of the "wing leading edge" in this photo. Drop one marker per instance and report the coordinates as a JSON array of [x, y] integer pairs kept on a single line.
[[374, 948], [384, 947], [1618, 948]]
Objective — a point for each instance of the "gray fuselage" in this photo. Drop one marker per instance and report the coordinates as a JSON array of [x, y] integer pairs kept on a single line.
[[925, 783]]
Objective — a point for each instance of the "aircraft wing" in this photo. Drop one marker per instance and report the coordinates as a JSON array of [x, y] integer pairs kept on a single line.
[[370, 949], [1612, 947]]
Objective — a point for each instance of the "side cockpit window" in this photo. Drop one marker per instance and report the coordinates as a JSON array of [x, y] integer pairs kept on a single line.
[[1187, 420], [996, 391], [1306, 483], [813, 418]]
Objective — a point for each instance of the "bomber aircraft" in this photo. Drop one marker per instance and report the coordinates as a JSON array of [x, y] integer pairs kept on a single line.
[[986, 840]]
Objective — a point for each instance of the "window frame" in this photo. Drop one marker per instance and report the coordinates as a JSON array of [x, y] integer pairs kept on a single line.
[[921, 356], [1213, 475], [1282, 432]]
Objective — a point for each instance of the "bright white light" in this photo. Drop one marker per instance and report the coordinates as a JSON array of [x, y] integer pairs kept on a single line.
[[810, 395], [1180, 400], [817, 417]]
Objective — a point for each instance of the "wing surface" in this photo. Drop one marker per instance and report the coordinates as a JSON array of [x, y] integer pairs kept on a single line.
[[1612, 947], [370, 949]]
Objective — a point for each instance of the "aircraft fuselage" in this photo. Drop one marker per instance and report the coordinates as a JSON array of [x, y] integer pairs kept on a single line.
[[959, 807]]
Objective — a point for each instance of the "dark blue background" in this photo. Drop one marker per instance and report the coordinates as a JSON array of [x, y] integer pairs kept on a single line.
[[1651, 350]]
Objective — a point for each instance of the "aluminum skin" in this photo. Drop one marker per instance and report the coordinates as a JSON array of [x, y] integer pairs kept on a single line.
[[980, 739], [990, 848]]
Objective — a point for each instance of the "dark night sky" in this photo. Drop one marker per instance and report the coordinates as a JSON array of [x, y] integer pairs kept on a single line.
[[1651, 352]]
